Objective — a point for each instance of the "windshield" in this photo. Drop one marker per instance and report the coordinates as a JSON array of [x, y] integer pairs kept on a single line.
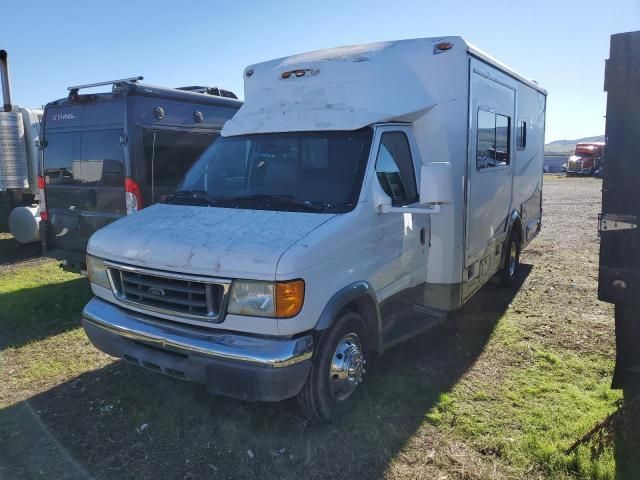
[[298, 171]]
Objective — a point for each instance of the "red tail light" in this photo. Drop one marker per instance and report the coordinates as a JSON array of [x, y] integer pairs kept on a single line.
[[44, 215], [133, 196]]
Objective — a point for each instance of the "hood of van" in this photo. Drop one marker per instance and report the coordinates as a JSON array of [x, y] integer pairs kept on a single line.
[[225, 242]]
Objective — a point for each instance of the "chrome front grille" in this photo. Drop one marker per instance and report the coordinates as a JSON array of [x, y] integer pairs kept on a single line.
[[189, 296], [574, 166]]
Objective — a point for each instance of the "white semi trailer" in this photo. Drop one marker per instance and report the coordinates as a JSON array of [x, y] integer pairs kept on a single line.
[[19, 131]]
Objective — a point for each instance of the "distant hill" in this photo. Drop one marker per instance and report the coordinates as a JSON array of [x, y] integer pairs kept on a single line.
[[565, 146]]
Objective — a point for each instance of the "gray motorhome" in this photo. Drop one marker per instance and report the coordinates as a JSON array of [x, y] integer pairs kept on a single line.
[[107, 155]]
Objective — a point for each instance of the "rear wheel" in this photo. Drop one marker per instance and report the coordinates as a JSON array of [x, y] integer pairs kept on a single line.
[[339, 366], [512, 261]]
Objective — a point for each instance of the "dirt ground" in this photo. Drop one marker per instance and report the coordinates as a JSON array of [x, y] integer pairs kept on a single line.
[[14, 255], [514, 379], [565, 257]]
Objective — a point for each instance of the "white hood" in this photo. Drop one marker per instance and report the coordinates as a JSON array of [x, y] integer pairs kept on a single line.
[[222, 242]]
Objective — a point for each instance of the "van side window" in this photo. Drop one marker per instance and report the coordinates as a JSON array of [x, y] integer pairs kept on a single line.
[[522, 135], [168, 155], [394, 168], [493, 144]]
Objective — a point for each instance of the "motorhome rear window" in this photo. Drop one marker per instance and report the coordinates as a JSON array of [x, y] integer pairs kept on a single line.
[[493, 144], [87, 158], [313, 171]]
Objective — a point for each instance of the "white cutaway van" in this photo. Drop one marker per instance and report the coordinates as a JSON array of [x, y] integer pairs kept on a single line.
[[357, 196]]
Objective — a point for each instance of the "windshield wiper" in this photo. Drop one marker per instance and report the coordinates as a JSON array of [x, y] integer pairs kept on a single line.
[[192, 194], [283, 200]]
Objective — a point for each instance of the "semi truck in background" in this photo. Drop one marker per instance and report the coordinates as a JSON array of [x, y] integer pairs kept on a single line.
[[107, 155], [19, 194], [586, 159]]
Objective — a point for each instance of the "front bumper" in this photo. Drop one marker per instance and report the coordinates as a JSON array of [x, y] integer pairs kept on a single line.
[[579, 169], [232, 364]]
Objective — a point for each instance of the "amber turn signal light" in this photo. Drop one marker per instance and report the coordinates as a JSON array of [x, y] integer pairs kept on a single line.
[[289, 298]]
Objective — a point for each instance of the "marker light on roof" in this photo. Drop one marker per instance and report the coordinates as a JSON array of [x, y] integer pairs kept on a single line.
[[299, 72], [443, 46]]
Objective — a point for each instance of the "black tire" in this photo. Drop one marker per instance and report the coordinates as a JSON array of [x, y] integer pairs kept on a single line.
[[318, 399], [509, 272]]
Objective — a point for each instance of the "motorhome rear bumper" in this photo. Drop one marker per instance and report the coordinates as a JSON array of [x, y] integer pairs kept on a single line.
[[228, 363], [72, 261]]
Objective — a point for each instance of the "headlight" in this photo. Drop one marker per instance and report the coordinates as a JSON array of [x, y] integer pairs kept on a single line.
[[266, 299], [97, 272], [252, 298]]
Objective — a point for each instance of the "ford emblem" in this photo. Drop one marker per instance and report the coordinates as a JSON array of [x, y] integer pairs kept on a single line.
[[156, 292]]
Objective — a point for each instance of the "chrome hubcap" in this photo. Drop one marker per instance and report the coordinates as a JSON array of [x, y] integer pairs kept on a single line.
[[513, 259], [347, 367]]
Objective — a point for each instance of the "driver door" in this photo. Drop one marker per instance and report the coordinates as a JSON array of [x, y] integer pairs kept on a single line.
[[403, 243]]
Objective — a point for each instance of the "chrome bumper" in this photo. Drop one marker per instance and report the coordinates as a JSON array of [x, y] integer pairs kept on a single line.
[[228, 363], [220, 345]]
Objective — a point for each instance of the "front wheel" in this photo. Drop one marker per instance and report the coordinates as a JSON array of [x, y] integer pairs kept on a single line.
[[339, 366], [512, 261]]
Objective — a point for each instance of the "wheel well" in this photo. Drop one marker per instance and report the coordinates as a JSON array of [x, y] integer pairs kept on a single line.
[[517, 228], [367, 309]]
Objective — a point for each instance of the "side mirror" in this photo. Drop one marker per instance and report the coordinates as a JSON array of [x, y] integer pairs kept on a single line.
[[436, 184], [436, 189]]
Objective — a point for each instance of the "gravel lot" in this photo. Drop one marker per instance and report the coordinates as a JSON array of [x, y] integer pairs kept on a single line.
[[565, 278]]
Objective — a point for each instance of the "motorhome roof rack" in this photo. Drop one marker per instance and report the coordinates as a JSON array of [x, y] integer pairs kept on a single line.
[[74, 90], [218, 92]]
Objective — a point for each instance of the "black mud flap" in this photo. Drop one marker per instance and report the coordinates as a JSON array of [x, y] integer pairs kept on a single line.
[[626, 375]]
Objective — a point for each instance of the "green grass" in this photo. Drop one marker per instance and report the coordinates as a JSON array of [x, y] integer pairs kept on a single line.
[[38, 302], [41, 341], [498, 395], [525, 417], [530, 416]]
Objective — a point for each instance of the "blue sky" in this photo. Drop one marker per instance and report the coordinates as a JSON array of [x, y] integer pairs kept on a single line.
[[53, 44]]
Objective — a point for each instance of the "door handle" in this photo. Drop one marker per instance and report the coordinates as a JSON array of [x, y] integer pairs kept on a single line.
[[423, 236]]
